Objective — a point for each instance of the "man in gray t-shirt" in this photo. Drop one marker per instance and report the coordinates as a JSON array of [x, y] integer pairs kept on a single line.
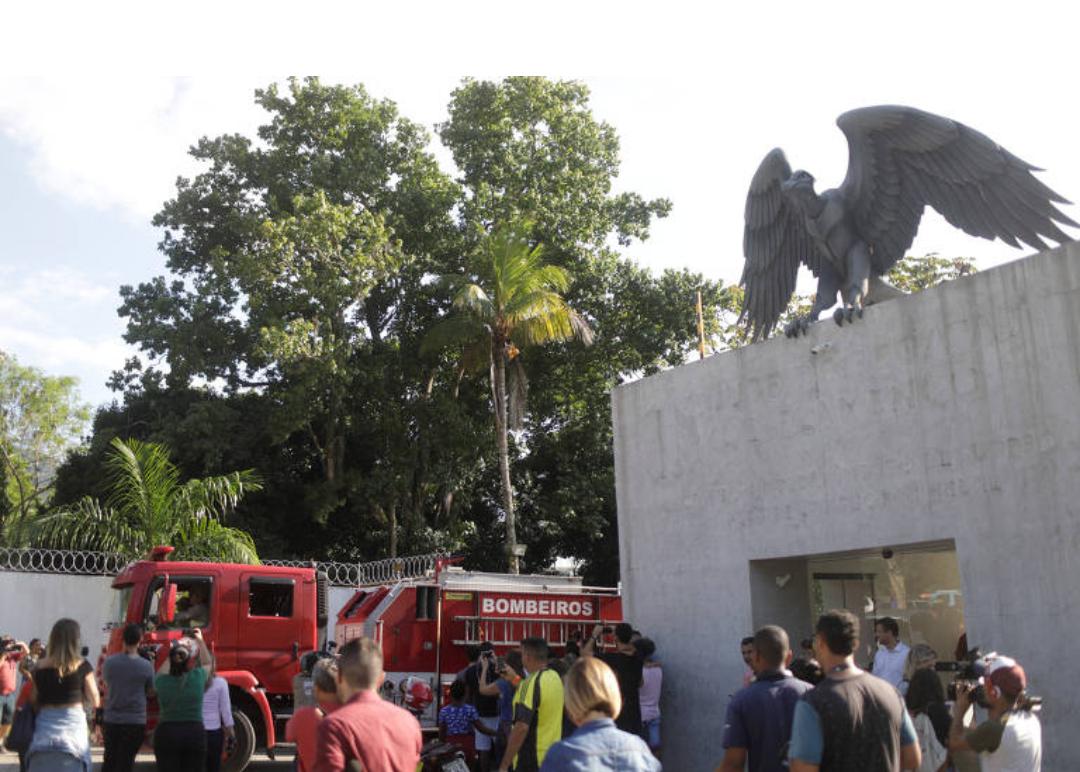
[[129, 680]]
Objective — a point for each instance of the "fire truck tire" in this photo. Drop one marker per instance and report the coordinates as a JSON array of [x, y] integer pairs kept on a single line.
[[238, 760]]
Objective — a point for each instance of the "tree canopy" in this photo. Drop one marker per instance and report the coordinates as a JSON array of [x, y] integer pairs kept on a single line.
[[288, 333]]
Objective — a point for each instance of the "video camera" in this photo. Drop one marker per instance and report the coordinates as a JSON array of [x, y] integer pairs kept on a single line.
[[972, 673], [969, 672]]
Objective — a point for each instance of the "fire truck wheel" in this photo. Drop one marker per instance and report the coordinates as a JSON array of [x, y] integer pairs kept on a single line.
[[245, 743]]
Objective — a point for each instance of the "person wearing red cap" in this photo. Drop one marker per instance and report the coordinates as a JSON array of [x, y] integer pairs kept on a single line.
[[1010, 740]]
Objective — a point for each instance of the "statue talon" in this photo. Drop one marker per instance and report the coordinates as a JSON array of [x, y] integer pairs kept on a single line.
[[797, 326]]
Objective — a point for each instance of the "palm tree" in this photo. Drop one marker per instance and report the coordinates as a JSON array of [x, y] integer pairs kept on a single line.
[[512, 302], [147, 505]]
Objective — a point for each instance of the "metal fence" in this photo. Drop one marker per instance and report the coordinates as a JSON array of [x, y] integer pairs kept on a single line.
[[42, 561], [86, 563]]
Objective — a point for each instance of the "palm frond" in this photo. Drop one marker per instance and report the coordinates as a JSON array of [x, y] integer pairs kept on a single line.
[[213, 497], [473, 300], [142, 482], [89, 526], [208, 539], [562, 324]]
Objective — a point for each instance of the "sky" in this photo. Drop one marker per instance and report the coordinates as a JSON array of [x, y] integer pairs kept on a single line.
[[94, 126]]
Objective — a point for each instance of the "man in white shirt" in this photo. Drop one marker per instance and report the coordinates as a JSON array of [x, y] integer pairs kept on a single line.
[[1010, 740], [891, 656]]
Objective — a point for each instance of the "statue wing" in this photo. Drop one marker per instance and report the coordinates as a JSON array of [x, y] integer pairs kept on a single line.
[[775, 241], [901, 159]]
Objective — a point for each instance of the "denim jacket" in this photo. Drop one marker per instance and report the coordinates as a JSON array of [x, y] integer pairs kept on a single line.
[[599, 746]]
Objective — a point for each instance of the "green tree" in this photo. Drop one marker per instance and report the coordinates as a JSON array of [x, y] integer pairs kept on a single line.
[[41, 421], [148, 505], [912, 274], [512, 301]]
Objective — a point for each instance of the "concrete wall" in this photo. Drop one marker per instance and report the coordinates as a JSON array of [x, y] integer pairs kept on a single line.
[[950, 414], [31, 603]]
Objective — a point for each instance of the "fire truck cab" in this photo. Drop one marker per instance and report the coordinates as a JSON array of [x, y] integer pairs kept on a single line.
[[257, 620], [424, 623]]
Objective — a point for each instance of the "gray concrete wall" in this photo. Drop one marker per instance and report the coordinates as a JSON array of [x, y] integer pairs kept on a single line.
[[31, 603], [950, 414]]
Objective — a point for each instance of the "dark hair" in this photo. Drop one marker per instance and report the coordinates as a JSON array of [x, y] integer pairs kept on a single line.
[[573, 648], [807, 670], [840, 629], [560, 666], [472, 652], [624, 631], [536, 647], [924, 689], [747, 641], [33, 641], [889, 624], [645, 647], [771, 644], [457, 690], [132, 634], [487, 646], [179, 655]]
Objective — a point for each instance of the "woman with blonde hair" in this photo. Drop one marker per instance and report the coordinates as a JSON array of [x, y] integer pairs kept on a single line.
[[591, 696], [63, 684]]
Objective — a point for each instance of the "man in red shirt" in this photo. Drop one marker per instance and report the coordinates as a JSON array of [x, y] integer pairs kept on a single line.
[[366, 728], [11, 651]]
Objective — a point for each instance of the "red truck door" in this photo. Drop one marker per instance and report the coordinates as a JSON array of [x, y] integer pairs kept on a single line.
[[270, 631]]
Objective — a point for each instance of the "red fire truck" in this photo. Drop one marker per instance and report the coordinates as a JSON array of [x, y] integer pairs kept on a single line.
[[258, 621], [425, 622]]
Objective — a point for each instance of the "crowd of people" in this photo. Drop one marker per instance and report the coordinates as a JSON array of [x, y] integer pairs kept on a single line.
[[48, 718], [594, 708], [820, 711], [591, 709]]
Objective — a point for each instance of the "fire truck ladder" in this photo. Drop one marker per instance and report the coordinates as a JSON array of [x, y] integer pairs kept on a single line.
[[508, 631]]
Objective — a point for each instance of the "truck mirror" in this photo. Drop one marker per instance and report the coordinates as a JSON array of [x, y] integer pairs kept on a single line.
[[167, 607]]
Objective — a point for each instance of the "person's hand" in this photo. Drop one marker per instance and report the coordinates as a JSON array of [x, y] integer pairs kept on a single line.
[[963, 697], [196, 633]]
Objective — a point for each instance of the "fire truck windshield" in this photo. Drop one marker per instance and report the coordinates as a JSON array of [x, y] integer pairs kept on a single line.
[[120, 600]]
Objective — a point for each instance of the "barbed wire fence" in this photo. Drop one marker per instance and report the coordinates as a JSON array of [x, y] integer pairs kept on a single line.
[[339, 574]]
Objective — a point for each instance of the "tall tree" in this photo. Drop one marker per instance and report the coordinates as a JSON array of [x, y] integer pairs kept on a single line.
[[41, 421], [148, 505], [511, 301], [292, 259]]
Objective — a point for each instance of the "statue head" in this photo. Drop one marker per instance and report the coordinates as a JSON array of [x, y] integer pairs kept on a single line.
[[800, 186]]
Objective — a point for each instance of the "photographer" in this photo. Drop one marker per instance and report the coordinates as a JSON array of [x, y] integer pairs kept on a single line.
[[180, 739], [629, 670], [478, 674], [11, 651], [1010, 740], [129, 680]]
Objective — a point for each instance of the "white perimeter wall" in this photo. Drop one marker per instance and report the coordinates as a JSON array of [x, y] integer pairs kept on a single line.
[[950, 414], [30, 604]]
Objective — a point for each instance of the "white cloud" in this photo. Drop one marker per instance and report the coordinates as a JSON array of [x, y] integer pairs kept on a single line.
[[112, 143]]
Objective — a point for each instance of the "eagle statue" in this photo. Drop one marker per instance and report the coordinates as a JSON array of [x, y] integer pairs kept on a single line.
[[900, 160]]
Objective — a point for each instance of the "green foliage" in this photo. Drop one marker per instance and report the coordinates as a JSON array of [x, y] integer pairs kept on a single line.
[[41, 421], [288, 333], [913, 274], [511, 301], [148, 505]]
